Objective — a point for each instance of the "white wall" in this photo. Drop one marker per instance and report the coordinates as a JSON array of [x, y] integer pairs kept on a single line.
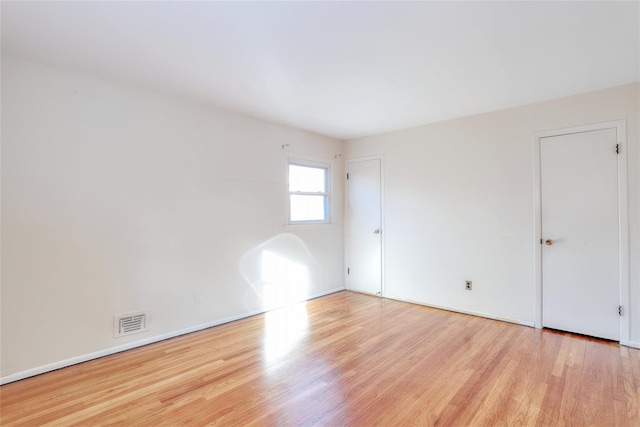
[[115, 200], [459, 203]]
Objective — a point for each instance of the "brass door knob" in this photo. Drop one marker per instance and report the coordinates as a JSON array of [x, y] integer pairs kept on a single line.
[[548, 242]]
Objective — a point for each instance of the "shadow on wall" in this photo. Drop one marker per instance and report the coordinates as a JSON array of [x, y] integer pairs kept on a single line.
[[280, 270]]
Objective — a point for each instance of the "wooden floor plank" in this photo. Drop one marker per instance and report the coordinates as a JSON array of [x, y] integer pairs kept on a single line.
[[344, 359]]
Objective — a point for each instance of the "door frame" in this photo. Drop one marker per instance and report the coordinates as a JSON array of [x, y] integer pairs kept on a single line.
[[623, 218], [382, 224]]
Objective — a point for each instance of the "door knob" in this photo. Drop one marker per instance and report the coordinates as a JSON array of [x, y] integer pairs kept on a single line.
[[376, 231], [548, 242]]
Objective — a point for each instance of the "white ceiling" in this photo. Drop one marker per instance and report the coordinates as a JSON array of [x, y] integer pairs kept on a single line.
[[343, 69]]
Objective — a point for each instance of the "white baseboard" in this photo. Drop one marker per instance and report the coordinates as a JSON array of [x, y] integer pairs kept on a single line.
[[472, 313], [633, 344], [118, 349]]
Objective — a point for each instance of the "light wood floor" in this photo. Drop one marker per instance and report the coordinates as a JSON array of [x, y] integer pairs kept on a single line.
[[345, 359]]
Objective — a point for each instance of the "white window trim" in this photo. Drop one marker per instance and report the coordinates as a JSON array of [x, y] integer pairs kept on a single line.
[[310, 162]]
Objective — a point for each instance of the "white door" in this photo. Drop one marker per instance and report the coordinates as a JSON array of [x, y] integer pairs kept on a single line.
[[364, 269], [579, 224]]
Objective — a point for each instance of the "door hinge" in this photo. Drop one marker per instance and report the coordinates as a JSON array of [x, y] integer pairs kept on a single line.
[[541, 241], [347, 176], [617, 148], [619, 310], [347, 271]]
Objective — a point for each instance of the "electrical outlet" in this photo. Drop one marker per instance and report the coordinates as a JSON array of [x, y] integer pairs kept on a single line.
[[198, 298], [467, 285]]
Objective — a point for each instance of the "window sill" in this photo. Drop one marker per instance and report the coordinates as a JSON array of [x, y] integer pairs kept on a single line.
[[295, 227]]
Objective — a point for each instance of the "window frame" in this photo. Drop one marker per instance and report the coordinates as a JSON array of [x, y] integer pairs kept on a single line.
[[318, 164]]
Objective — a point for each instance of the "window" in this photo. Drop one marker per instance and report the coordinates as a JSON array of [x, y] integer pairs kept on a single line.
[[308, 192]]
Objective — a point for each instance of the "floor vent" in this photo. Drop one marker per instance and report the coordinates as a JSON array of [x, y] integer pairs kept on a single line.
[[129, 323]]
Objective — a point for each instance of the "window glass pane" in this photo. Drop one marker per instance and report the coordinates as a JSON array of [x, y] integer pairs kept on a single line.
[[308, 208], [307, 179]]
